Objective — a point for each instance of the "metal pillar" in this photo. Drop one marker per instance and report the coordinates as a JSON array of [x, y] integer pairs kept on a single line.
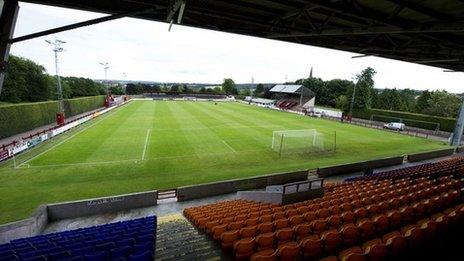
[[457, 134], [7, 25]]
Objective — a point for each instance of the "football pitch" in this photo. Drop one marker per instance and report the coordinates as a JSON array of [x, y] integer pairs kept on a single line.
[[148, 145]]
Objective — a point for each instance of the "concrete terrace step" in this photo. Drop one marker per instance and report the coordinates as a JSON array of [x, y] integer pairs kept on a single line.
[[177, 239]]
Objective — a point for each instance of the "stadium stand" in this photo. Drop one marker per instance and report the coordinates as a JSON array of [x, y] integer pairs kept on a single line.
[[365, 219], [126, 240]]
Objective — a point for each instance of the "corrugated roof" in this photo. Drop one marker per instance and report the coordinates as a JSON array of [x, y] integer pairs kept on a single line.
[[286, 88]]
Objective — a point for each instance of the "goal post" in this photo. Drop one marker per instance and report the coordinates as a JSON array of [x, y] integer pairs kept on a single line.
[[308, 140]]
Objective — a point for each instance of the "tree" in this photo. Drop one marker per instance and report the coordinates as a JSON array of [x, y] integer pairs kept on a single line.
[[116, 90], [175, 88], [259, 91], [228, 86], [245, 92], [364, 87], [443, 104], [341, 102], [202, 89], [26, 80], [423, 101]]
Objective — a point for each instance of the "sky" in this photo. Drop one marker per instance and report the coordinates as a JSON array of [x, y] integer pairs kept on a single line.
[[145, 50]]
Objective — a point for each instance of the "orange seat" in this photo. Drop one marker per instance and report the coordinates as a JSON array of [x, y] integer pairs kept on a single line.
[[302, 231], [281, 223], [413, 235], [236, 225], [264, 255], [312, 247], [332, 240], [352, 254], [249, 231], [251, 222], [366, 229], [244, 248], [348, 217], [322, 213], [381, 224], [209, 226], [228, 238], [395, 242], [318, 226], [218, 230], [334, 221], [429, 230], [373, 209], [265, 241], [284, 235], [296, 220], [335, 210], [288, 251], [350, 234], [356, 204], [346, 207], [302, 209], [375, 250], [278, 215], [309, 216], [266, 218], [361, 213], [266, 227], [394, 218], [291, 212]]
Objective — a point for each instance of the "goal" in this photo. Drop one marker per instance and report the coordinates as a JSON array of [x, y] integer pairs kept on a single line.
[[286, 141]]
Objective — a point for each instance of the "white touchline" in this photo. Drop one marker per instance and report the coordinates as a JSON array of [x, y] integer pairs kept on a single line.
[[146, 144], [65, 140], [228, 146]]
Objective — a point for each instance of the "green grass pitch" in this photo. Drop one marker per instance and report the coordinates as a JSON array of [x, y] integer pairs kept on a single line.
[[148, 145]]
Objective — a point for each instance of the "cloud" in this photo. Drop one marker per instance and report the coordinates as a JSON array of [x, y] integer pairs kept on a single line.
[[145, 50]]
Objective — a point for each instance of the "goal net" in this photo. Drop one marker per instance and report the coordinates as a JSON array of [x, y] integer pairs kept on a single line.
[[297, 141]]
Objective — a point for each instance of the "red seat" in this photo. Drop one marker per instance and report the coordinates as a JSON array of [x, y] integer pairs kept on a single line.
[[395, 242], [288, 251], [318, 226], [302, 231], [352, 254], [366, 229], [334, 221], [284, 235], [296, 220], [264, 255], [350, 234], [312, 247], [244, 248], [228, 238], [375, 250], [266, 227], [332, 240], [265, 241]]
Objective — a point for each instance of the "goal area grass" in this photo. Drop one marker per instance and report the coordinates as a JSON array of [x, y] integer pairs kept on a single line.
[[147, 145]]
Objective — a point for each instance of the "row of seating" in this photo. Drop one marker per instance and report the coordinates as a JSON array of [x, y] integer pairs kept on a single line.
[[443, 167], [404, 189], [125, 240], [330, 241]]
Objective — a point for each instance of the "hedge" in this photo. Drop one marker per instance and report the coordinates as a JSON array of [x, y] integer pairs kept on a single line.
[[19, 118], [446, 124]]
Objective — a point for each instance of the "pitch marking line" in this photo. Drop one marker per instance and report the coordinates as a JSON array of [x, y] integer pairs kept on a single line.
[[228, 146], [63, 141], [146, 144], [82, 163]]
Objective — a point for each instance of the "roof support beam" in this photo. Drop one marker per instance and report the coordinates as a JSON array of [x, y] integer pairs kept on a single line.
[[437, 28], [422, 9], [74, 26]]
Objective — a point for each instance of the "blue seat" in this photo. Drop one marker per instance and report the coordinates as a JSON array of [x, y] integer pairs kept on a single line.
[[7, 252], [74, 258], [29, 254], [145, 256], [105, 247], [141, 247], [97, 256], [125, 242], [121, 252], [81, 251], [58, 255], [8, 257], [36, 258]]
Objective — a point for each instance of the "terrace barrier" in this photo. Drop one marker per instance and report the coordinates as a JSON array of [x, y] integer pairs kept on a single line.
[[430, 155], [359, 166], [28, 227], [230, 186]]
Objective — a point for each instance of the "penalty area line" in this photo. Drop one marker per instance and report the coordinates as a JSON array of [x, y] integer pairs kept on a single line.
[[146, 144], [228, 146]]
